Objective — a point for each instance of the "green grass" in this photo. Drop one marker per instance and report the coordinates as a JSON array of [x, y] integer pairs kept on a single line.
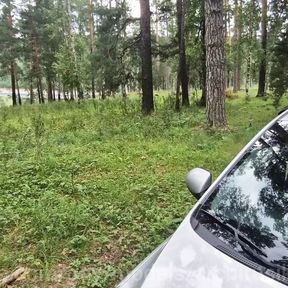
[[88, 190], [5, 101]]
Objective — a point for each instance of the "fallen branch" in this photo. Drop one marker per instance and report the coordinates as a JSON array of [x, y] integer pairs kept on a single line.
[[12, 277]]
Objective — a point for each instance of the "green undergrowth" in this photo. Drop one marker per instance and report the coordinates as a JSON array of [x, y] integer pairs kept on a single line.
[[88, 189]]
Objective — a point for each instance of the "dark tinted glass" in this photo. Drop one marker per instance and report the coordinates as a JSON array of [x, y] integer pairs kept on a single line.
[[253, 197]]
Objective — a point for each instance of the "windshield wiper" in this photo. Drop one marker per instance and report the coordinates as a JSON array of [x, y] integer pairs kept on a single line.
[[243, 243], [237, 234]]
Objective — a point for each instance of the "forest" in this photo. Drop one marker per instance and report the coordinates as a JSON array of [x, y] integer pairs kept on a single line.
[[105, 105], [75, 49]]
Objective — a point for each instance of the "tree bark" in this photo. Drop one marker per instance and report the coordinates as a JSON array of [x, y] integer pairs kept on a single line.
[[36, 67], [103, 93], [215, 63], [182, 52], [80, 92], [59, 91], [237, 46], [158, 83], [18, 90], [12, 62], [65, 93], [92, 31], [39, 94], [54, 90], [49, 91], [177, 103], [226, 20], [31, 88], [203, 58], [41, 91], [72, 95], [228, 41], [250, 40], [263, 63], [146, 55], [13, 83], [248, 74], [93, 87], [71, 42]]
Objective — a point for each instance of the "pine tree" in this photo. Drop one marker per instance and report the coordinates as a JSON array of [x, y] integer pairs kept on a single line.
[[30, 25], [264, 39], [146, 54], [215, 63], [182, 70], [237, 39], [279, 69], [8, 44]]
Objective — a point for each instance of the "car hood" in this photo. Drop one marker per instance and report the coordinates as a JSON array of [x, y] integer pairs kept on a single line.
[[188, 261]]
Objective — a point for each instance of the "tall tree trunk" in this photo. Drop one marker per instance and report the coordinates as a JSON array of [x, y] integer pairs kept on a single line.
[[215, 63], [250, 40], [263, 63], [80, 92], [146, 55], [226, 22], [93, 87], [49, 91], [158, 84], [237, 45], [13, 83], [181, 9], [54, 90], [203, 58], [36, 68], [92, 31], [235, 48], [31, 88], [72, 95], [71, 41], [228, 41], [18, 90], [41, 90], [65, 93], [248, 71], [39, 94], [59, 92], [12, 61], [177, 103]]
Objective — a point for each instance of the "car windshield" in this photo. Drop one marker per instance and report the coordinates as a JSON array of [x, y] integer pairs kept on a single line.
[[253, 198]]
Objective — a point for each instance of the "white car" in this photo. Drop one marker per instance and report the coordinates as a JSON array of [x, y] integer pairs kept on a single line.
[[237, 233]]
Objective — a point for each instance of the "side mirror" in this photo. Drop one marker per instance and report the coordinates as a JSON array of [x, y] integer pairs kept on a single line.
[[198, 181]]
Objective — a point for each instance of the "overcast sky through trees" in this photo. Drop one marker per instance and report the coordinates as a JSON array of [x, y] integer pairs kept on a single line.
[[135, 8], [134, 4]]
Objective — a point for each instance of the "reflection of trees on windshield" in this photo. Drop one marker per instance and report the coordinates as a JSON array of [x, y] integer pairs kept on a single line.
[[217, 229], [253, 197], [273, 197], [236, 208]]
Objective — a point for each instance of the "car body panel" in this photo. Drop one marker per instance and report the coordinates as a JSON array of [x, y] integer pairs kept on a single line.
[[188, 261], [136, 277]]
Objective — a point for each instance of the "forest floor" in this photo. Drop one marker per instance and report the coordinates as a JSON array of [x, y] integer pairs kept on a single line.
[[88, 189]]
